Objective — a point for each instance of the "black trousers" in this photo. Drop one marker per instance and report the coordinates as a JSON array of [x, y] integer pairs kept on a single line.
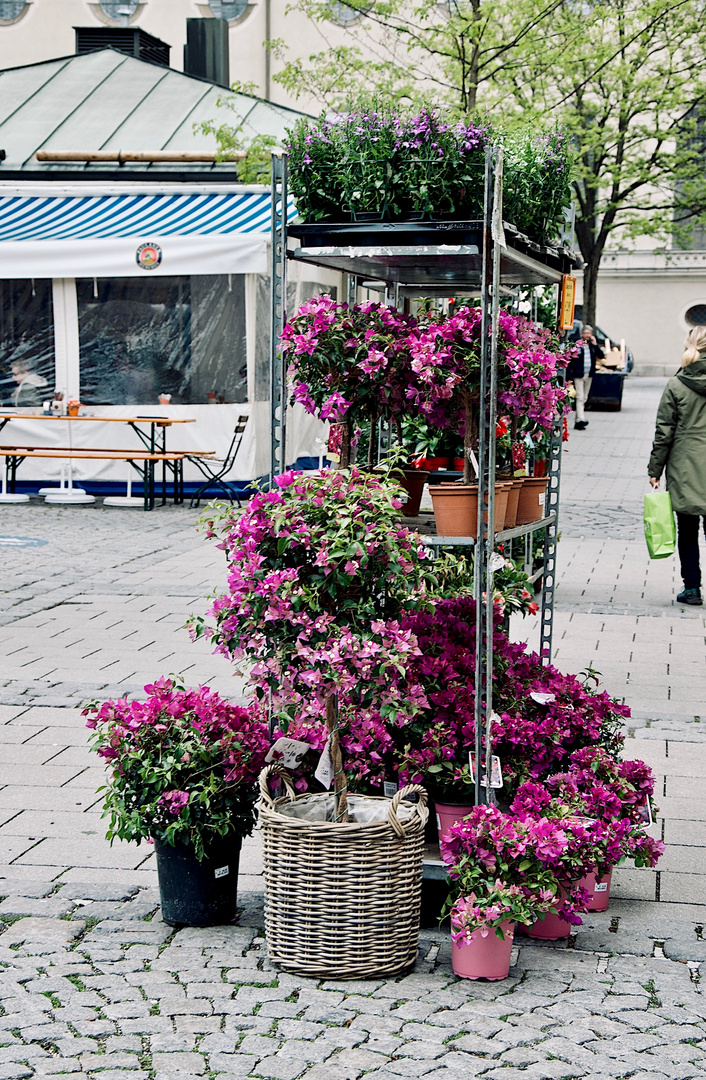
[[688, 545]]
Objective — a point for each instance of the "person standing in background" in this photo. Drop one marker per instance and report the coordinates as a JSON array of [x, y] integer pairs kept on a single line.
[[582, 368], [680, 445]]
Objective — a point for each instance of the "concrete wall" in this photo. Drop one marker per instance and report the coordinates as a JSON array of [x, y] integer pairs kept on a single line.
[[45, 31], [644, 297]]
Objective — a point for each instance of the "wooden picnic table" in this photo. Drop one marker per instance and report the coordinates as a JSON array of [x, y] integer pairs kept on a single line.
[[151, 441]]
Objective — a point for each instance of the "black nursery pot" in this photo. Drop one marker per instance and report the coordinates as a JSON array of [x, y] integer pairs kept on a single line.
[[197, 893]]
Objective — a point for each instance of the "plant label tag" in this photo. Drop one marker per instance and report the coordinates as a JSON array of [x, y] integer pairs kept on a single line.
[[541, 498], [222, 871], [601, 886], [438, 824], [496, 562], [496, 775], [287, 752], [645, 811], [324, 770], [542, 699], [389, 789]]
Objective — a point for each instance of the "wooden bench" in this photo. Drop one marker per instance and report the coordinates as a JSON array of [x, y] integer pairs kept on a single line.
[[172, 460]]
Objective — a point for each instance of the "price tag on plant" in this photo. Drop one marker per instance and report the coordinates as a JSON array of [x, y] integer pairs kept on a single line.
[[542, 699], [389, 789], [645, 809], [324, 770], [496, 774], [288, 752]]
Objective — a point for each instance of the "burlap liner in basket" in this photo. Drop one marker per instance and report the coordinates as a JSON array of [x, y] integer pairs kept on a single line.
[[342, 900]]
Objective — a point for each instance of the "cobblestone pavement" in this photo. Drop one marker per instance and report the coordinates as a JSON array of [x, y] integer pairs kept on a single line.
[[92, 981]]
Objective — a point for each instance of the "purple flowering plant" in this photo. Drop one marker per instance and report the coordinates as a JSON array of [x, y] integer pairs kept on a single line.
[[369, 361], [320, 573], [506, 868], [376, 159], [533, 738], [348, 364], [183, 764]]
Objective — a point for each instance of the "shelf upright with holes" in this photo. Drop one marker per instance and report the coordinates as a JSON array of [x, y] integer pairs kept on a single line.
[[433, 258]]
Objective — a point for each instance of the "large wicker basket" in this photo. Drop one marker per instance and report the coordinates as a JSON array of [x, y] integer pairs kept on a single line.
[[342, 900]]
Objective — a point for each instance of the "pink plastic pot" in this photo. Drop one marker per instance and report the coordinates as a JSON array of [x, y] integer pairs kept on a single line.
[[599, 890], [447, 814], [550, 928], [484, 957]]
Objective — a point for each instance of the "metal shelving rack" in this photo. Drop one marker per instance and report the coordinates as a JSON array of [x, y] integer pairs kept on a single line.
[[448, 255]]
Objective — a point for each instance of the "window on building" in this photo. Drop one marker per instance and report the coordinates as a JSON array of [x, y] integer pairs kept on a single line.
[[183, 336], [117, 9], [228, 9], [343, 13], [26, 343], [11, 9], [696, 315]]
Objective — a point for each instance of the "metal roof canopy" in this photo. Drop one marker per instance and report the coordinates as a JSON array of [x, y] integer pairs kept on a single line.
[[419, 253], [108, 101]]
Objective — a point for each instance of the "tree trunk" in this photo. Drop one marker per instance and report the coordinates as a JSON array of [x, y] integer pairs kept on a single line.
[[590, 291], [340, 784]]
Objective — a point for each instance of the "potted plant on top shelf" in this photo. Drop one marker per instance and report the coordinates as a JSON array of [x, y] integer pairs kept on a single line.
[[183, 766]]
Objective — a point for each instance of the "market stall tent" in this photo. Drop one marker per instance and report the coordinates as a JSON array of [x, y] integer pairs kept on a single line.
[[121, 281]]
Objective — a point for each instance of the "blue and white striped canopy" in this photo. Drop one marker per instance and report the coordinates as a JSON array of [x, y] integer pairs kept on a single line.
[[133, 215]]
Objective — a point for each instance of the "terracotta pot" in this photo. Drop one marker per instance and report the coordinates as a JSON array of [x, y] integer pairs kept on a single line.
[[599, 890], [484, 957], [413, 481], [456, 508], [447, 814], [530, 505], [513, 500]]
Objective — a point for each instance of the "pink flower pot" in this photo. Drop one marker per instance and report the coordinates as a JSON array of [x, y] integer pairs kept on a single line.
[[599, 890], [484, 957], [550, 928], [447, 814]]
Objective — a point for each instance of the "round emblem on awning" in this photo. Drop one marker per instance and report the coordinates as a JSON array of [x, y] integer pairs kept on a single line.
[[148, 256]]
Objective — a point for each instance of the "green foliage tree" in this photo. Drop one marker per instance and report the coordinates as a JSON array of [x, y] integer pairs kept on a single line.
[[625, 79]]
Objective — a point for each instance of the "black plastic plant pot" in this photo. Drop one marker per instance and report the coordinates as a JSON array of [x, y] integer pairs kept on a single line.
[[197, 893]]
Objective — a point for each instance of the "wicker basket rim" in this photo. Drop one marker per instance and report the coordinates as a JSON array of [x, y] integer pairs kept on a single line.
[[274, 812]]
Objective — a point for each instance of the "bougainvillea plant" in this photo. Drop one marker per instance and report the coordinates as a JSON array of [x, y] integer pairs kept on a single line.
[[320, 573], [349, 364], [611, 837], [505, 868], [533, 736], [446, 363], [369, 361], [183, 764]]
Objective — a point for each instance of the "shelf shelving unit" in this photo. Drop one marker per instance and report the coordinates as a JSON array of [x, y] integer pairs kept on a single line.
[[483, 256]]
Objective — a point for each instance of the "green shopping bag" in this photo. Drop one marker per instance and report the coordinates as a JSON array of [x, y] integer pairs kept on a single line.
[[660, 528]]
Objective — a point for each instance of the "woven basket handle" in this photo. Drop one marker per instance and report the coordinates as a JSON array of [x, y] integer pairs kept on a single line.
[[411, 789], [275, 770]]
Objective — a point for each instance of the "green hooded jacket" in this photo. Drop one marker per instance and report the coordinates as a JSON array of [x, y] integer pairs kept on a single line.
[[680, 439]]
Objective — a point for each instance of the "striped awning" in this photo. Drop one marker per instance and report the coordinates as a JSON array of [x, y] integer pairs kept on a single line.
[[103, 216], [72, 235]]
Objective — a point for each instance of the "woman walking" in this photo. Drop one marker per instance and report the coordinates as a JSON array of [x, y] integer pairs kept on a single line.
[[680, 445]]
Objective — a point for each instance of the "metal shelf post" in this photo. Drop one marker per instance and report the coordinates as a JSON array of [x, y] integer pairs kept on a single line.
[[278, 294]]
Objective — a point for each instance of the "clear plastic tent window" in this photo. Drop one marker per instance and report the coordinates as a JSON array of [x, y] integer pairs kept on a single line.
[[26, 343], [183, 336]]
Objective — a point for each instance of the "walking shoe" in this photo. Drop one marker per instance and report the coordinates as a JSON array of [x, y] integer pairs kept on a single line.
[[690, 596], [580, 425]]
